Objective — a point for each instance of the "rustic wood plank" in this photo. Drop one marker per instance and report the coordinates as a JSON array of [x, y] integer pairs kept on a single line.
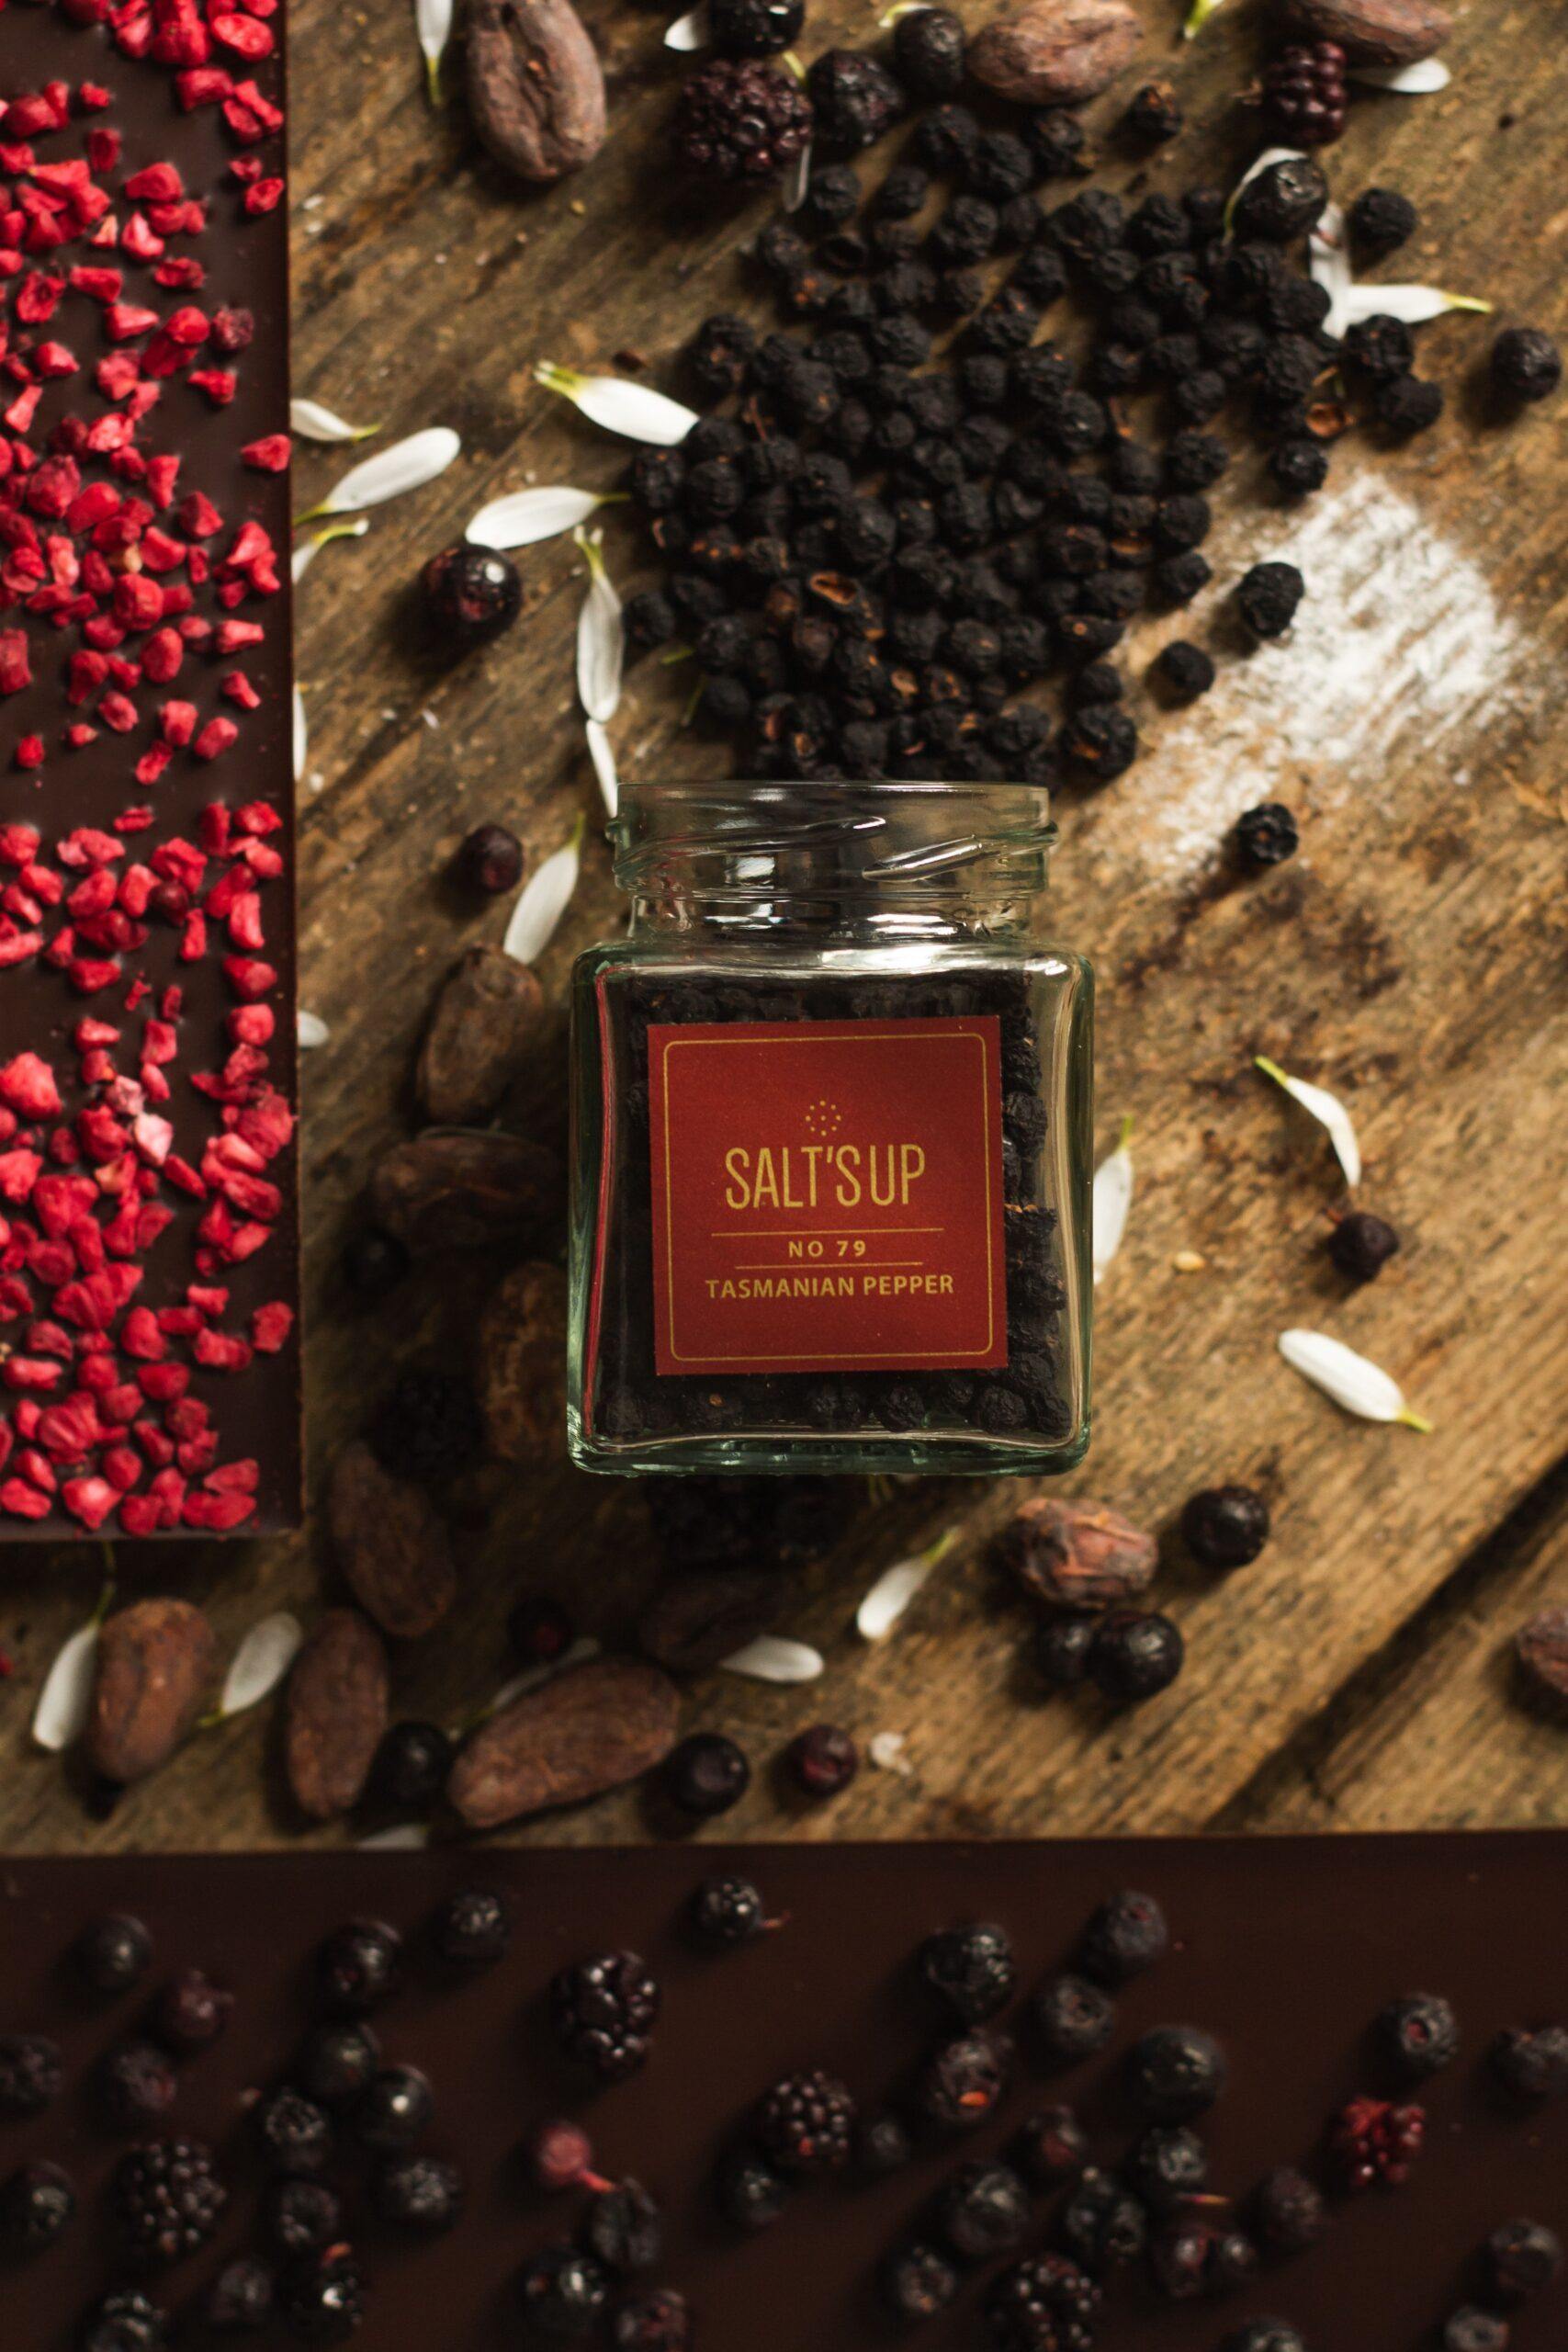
[[1411, 956]]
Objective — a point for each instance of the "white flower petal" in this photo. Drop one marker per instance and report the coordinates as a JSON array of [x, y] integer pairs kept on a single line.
[[886, 1751], [890, 16], [770, 1658], [313, 1031], [1415, 304], [1330, 264], [61, 1716], [1110, 1201], [404, 1837], [314, 423], [896, 1587], [433, 23], [798, 179], [533, 1676], [635, 410], [1326, 1108], [522, 517], [407, 464], [604, 759], [262, 1660], [300, 732], [543, 901], [1353, 1381], [1415, 80], [305, 555], [601, 640], [690, 31]]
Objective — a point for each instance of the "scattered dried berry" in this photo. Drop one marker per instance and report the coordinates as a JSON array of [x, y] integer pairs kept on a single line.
[[1522, 2256], [972, 1968], [191, 2011], [754, 28], [805, 2126], [1307, 93], [1267, 835], [1362, 1245], [411, 1767], [603, 2009], [1176, 2073], [1154, 113], [1226, 1527], [36, 2204], [853, 100], [1135, 1654], [1268, 596], [31, 2074], [168, 2200], [1184, 671], [470, 593], [927, 52], [1125, 1935], [473, 1929], [395, 2108], [822, 1760], [1373, 2142], [1525, 364], [490, 860], [1532, 2061], [358, 1966], [737, 121], [917, 2282], [1073, 2019], [1380, 222], [707, 1774], [113, 1954], [1287, 2211], [1046, 2304]]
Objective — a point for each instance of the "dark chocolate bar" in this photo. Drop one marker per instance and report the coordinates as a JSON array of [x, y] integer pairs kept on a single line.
[[1285, 1951], [149, 1245]]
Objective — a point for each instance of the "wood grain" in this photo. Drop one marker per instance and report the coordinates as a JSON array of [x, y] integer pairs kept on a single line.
[[1411, 956]]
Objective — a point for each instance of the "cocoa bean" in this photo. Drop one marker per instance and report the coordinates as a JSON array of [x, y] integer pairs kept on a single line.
[[1078, 1555], [535, 86], [334, 1714], [485, 1018], [699, 1616], [588, 1730], [392, 1545], [521, 1364], [1054, 52], [1541, 1646], [455, 1188], [154, 1666], [1375, 32]]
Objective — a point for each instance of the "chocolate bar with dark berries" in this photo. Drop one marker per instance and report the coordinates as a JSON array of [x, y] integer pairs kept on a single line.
[[149, 1228]]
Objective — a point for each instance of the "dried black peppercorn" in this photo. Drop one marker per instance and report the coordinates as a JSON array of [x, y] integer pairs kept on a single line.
[[1380, 346], [1381, 220], [1267, 598], [1407, 404], [1185, 671], [1297, 467], [1100, 741], [1267, 835], [927, 52], [1525, 364], [1362, 1245]]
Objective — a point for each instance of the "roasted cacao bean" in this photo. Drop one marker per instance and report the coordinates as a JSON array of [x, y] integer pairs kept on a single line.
[[392, 1545], [154, 1666], [535, 86], [335, 1714], [455, 1188], [1542, 1647], [1375, 32], [485, 1018], [1054, 52], [699, 1616], [588, 1730], [1077, 1555], [521, 1376]]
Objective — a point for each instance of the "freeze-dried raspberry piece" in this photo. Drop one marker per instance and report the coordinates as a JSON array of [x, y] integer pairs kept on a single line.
[[270, 454]]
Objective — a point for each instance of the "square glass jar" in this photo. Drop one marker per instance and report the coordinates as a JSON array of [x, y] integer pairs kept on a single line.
[[832, 1139]]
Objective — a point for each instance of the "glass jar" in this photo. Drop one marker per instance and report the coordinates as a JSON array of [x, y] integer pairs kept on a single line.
[[831, 1129]]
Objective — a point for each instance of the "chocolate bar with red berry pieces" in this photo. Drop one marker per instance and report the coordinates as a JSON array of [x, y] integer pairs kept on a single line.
[[148, 1217]]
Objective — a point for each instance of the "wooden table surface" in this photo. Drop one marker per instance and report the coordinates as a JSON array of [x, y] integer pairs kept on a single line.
[[1411, 956]]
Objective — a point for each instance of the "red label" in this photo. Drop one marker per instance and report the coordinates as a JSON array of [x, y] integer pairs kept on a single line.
[[827, 1196]]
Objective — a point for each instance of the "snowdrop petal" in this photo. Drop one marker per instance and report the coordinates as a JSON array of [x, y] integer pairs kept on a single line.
[[260, 1663], [522, 517], [600, 641], [1353, 1381], [1326, 1108], [1415, 304], [300, 734], [690, 31], [798, 179], [305, 555], [404, 1837], [407, 464], [578, 1654], [896, 1587], [1415, 80], [635, 410], [886, 1751], [61, 1716], [1111, 1199], [313, 1031], [773, 1659], [604, 759], [890, 16], [314, 423], [543, 901], [433, 23]]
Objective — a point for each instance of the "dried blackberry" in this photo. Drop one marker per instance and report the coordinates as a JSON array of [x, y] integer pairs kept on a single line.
[[1297, 467], [1373, 2142], [1405, 405], [36, 2204], [1125, 1935], [168, 2199], [917, 2282], [112, 1954], [1282, 203], [293, 2131], [1362, 1245], [323, 2297], [241, 2300], [1226, 1527], [754, 28], [124, 2321], [1184, 671], [972, 1968], [358, 1966], [1073, 2019], [927, 52], [1046, 2305], [1525, 364], [470, 593], [394, 2109], [1267, 598], [1267, 835], [804, 2125], [603, 2010], [1176, 2073], [853, 98], [31, 2073], [1381, 220], [421, 2194], [1102, 2225], [1287, 2211], [473, 1929], [738, 121], [1305, 90], [428, 1427], [136, 2081], [296, 2215], [964, 2081]]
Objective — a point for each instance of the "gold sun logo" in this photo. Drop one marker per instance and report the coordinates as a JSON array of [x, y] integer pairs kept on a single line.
[[823, 1119]]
